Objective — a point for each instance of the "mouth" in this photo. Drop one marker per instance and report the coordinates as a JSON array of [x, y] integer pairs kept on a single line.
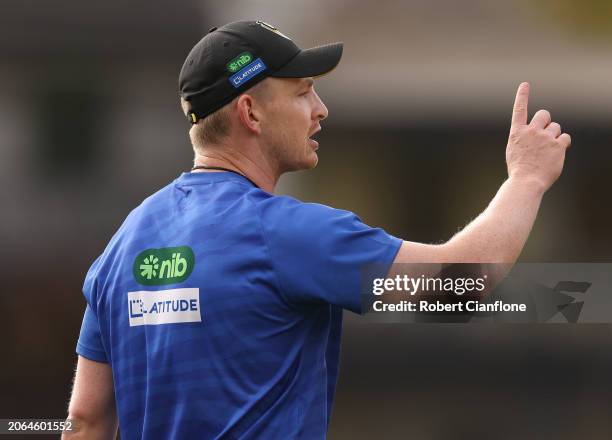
[[313, 143]]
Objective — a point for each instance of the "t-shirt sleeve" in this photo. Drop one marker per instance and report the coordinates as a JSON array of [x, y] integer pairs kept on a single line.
[[90, 343], [90, 339], [320, 253]]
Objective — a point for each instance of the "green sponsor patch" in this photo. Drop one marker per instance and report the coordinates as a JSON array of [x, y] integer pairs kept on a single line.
[[239, 62], [154, 267]]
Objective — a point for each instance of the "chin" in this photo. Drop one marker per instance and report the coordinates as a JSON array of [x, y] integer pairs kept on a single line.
[[311, 161], [304, 165], [308, 162]]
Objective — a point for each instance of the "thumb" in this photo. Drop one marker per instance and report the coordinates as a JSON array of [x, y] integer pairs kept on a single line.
[[519, 113]]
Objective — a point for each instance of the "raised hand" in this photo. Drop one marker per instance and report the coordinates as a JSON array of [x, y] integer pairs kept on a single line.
[[535, 151]]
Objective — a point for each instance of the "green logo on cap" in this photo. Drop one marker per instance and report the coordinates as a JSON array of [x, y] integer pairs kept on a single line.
[[153, 267], [239, 62]]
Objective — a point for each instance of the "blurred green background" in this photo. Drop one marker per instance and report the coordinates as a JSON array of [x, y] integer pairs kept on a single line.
[[419, 115]]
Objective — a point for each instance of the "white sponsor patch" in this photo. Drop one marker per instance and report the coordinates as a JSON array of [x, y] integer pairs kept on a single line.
[[171, 306]]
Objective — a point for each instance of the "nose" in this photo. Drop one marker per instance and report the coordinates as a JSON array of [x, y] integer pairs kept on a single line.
[[320, 111]]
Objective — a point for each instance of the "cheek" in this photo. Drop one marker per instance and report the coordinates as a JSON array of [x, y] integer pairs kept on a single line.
[[289, 124], [300, 113]]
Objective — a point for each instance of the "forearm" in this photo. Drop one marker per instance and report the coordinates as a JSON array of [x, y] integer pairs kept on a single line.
[[500, 232]]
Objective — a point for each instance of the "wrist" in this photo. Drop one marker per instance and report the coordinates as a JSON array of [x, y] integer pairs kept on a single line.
[[528, 183]]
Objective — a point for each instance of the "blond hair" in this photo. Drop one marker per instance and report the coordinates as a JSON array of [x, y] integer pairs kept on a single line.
[[216, 126], [209, 130]]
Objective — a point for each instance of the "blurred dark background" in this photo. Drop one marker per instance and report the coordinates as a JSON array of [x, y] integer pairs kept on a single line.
[[419, 114]]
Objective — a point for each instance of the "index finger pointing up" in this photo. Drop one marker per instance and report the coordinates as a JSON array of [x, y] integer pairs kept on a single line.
[[519, 113]]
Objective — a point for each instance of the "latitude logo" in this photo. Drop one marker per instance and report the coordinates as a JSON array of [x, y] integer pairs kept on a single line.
[[154, 267]]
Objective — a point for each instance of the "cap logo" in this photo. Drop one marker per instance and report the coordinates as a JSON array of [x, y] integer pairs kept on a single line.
[[239, 62], [247, 73], [269, 27]]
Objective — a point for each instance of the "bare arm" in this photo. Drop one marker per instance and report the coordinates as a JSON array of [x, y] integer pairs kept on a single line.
[[495, 236], [92, 405], [535, 156]]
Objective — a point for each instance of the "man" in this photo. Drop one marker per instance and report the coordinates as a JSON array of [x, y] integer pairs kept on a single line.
[[215, 310]]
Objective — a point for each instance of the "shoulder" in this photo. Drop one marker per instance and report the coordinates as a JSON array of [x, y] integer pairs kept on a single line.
[[295, 213], [286, 220]]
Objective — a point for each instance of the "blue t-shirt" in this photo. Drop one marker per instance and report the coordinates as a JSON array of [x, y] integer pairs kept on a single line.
[[219, 307]]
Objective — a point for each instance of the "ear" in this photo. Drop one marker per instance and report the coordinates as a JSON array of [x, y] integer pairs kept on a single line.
[[249, 113]]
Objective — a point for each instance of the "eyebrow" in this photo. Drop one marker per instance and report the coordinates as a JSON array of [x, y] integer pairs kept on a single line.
[[309, 82]]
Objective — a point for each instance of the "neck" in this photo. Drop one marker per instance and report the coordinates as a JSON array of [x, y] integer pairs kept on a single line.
[[258, 172]]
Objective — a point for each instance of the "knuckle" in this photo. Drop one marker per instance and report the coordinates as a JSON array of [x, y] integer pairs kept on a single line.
[[543, 114], [564, 140]]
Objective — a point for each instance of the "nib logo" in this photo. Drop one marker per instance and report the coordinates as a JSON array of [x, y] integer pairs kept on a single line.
[[239, 62], [163, 266]]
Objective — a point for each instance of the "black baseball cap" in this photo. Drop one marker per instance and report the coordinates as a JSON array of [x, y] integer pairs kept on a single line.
[[233, 58]]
